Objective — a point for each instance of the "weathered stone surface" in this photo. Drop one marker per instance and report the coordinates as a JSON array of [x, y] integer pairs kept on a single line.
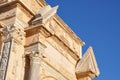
[[35, 52], [14, 13], [3, 1], [4, 60], [12, 38], [87, 66], [35, 44], [44, 14]]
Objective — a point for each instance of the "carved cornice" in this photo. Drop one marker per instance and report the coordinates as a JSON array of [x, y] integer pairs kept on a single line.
[[53, 27], [87, 66], [64, 36], [62, 24], [36, 30], [67, 28], [48, 35]]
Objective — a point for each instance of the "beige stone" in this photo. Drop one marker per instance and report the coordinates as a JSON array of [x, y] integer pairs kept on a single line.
[[87, 66], [35, 44]]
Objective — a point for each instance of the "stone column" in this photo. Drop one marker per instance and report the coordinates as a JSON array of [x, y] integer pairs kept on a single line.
[[34, 66], [35, 52]]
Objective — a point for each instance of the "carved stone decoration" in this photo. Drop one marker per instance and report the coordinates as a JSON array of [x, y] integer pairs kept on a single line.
[[12, 32], [44, 14], [4, 60], [6, 33], [37, 49], [87, 66], [35, 53], [9, 34]]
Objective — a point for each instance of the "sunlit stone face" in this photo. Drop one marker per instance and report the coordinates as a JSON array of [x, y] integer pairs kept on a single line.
[[2, 1], [35, 44], [49, 78]]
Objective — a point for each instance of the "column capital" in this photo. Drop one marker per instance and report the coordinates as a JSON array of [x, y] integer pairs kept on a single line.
[[12, 32], [34, 58], [35, 51]]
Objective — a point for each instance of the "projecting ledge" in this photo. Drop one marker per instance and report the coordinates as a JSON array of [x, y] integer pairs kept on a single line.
[[87, 66]]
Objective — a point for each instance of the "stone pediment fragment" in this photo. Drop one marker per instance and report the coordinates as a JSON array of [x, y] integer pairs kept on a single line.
[[44, 14], [87, 66]]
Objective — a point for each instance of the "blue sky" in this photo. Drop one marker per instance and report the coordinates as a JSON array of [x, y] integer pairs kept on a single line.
[[97, 23]]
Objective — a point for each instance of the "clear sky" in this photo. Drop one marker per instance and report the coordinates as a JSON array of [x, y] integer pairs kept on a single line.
[[97, 23]]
